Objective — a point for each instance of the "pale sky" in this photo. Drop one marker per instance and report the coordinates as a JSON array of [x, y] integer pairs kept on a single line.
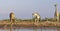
[[24, 8]]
